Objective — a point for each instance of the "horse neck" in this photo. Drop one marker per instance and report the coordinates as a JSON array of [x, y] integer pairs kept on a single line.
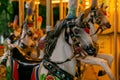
[[92, 31], [91, 24], [62, 52], [24, 36], [23, 33]]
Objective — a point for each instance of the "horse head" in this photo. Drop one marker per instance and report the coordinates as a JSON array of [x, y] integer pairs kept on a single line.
[[98, 15], [82, 40], [95, 15], [28, 39]]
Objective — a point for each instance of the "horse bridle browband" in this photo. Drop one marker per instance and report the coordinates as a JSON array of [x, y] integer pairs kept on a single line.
[[76, 46]]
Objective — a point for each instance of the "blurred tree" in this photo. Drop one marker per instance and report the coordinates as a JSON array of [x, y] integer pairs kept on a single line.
[[7, 12]]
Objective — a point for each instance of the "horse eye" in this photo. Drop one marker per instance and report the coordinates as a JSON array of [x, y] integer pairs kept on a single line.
[[76, 31], [29, 33], [98, 20]]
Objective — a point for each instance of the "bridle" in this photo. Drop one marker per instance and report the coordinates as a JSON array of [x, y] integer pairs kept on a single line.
[[96, 18]]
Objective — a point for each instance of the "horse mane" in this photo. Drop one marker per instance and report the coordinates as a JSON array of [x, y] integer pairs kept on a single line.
[[86, 12], [52, 37]]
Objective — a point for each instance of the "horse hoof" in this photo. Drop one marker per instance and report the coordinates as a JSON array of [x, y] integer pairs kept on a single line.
[[101, 73]]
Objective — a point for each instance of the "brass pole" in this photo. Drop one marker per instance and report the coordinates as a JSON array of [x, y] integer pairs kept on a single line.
[[52, 16], [48, 14], [115, 40], [65, 10], [61, 9], [36, 13], [77, 10], [21, 12]]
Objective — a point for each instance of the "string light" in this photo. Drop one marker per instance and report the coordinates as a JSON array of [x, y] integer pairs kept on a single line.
[[37, 2]]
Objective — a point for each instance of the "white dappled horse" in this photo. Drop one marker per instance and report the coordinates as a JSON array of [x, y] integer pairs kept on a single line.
[[62, 44]]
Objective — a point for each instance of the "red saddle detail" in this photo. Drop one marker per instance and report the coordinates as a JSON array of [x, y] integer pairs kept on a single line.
[[33, 75], [41, 44], [1, 47], [15, 70]]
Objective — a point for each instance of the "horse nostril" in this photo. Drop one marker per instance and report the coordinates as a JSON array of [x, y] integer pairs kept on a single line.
[[91, 50], [108, 25]]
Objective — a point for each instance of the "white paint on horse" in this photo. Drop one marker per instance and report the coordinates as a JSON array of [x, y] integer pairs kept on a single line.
[[61, 52], [103, 60], [92, 31], [1, 39]]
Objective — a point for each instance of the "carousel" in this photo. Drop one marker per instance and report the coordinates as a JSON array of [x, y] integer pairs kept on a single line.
[[77, 44]]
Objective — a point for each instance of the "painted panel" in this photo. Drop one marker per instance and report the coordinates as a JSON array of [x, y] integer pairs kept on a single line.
[[105, 44]]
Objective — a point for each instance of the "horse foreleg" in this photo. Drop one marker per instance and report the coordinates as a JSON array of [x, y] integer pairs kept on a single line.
[[97, 61], [107, 57]]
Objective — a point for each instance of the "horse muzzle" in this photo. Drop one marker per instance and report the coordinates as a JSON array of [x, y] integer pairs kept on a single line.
[[108, 25], [91, 50]]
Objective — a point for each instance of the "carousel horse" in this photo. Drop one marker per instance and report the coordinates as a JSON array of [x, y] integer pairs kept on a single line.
[[91, 16], [62, 44], [11, 40], [22, 52]]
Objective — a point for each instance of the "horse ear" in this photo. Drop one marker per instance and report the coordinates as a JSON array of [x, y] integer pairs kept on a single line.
[[101, 6], [15, 22], [94, 4], [80, 17]]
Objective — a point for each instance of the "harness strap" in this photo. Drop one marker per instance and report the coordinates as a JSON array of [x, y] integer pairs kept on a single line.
[[77, 50], [55, 70]]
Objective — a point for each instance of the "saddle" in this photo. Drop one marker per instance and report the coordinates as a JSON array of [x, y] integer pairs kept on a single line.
[[21, 56], [24, 67]]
